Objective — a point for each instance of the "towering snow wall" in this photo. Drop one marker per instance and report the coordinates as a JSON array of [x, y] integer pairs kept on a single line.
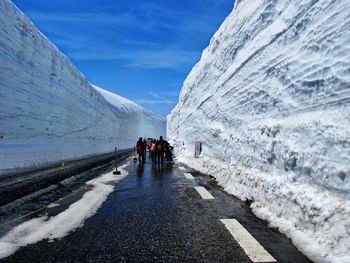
[[269, 100], [48, 109]]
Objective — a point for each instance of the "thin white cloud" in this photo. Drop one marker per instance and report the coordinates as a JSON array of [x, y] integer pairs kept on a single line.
[[172, 93], [164, 95], [139, 43], [113, 41], [147, 17], [156, 95], [141, 58], [174, 59], [154, 101], [103, 18]]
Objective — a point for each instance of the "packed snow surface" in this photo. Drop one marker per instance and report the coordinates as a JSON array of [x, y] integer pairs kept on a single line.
[[49, 111], [269, 100], [60, 225]]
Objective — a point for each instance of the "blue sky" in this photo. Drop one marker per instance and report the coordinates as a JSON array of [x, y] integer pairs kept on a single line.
[[140, 49]]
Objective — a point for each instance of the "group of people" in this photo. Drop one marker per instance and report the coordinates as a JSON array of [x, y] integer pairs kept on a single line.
[[159, 150]]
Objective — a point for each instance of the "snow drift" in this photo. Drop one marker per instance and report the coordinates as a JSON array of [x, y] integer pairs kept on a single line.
[[49, 111], [269, 100]]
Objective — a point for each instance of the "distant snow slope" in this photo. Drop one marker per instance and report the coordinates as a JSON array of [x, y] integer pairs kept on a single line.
[[270, 101], [49, 111], [120, 103]]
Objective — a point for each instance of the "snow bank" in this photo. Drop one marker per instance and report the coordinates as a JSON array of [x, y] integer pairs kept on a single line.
[[58, 226], [49, 111], [269, 100]]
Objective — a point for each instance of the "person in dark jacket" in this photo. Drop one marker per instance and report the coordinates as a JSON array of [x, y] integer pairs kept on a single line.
[[145, 146], [160, 150], [168, 153]]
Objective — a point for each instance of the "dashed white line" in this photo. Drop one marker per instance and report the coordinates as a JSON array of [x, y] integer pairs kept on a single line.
[[189, 176], [250, 245], [204, 192]]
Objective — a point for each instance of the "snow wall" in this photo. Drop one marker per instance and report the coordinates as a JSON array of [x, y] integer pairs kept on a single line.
[[269, 100], [49, 111]]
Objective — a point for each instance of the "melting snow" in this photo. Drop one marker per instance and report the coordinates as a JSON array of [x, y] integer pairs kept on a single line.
[[62, 224]]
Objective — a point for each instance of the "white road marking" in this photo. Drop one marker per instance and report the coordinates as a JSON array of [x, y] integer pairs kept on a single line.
[[204, 192], [189, 176], [249, 244]]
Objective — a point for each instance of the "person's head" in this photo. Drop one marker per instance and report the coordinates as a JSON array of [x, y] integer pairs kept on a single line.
[[161, 138], [140, 139]]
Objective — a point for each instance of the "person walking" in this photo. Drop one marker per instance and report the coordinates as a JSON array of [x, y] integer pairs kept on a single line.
[[153, 150], [144, 150], [160, 150], [140, 150], [168, 153]]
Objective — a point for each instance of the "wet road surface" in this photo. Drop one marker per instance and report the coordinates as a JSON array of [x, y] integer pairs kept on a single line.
[[156, 215], [18, 183]]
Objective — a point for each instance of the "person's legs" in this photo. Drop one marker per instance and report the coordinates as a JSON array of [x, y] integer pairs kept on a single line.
[[161, 157], [140, 157]]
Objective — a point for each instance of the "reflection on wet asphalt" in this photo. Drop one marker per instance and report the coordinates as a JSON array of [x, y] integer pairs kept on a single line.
[[156, 215]]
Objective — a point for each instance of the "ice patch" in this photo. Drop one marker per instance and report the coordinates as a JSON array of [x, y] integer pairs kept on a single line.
[[53, 205], [62, 224]]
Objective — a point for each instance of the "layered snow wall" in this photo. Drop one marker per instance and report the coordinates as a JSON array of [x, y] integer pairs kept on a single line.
[[49, 111], [270, 102]]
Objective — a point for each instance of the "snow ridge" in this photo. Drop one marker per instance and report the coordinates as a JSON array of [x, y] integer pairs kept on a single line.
[[272, 89], [49, 110]]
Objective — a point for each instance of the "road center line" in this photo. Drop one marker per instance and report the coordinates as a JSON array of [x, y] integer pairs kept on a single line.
[[189, 176], [249, 244], [204, 192]]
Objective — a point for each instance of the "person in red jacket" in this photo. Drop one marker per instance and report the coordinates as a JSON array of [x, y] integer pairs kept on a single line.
[[140, 148], [153, 150]]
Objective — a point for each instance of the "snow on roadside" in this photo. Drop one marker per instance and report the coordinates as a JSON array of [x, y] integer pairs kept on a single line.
[[269, 100], [316, 220], [58, 226]]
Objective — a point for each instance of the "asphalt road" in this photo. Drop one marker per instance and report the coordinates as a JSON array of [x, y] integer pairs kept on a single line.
[[156, 215], [21, 182]]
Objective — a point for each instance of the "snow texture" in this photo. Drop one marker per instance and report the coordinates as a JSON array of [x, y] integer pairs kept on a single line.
[[49, 111], [269, 100], [58, 226]]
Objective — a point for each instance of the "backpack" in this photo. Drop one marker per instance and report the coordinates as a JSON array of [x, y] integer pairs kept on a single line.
[[160, 147]]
